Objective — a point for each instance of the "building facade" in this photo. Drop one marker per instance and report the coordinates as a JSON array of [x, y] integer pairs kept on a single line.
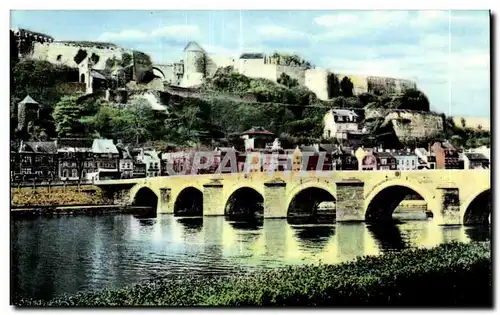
[[447, 157], [340, 123], [75, 158], [475, 161], [406, 160], [37, 161]]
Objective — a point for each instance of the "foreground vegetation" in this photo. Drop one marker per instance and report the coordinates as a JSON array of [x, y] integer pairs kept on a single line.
[[452, 274]]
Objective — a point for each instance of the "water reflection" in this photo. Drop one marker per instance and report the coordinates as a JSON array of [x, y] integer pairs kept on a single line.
[[388, 236], [314, 236], [478, 233], [191, 223], [52, 256]]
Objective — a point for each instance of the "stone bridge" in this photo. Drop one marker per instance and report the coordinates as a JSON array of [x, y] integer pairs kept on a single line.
[[453, 196]]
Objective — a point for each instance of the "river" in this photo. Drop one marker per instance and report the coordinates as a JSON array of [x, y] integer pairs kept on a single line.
[[54, 256]]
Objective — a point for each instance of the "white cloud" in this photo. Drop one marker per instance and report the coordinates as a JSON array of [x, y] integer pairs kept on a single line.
[[170, 31], [280, 32], [176, 31], [124, 35], [355, 23]]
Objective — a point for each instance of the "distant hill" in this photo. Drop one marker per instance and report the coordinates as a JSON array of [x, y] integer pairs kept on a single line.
[[473, 122]]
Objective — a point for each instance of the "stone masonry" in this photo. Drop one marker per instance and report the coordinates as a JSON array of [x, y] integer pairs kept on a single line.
[[213, 198], [350, 200], [275, 199]]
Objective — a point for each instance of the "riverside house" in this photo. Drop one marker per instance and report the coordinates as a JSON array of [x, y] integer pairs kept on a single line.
[[75, 158], [406, 160], [475, 161], [447, 157], [37, 160]]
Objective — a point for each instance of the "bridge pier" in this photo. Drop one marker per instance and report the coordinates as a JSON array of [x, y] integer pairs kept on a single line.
[[275, 199], [213, 198], [350, 200], [448, 206], [165, 205]]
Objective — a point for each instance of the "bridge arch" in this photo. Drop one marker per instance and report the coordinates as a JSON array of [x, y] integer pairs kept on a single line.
[[384, 198], [477, 208], [304, 200], [145, 197], [244, 203], [189, 202], [159, 73]]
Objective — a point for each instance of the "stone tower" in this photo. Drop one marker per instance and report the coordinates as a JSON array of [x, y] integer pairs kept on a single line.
[[194, 65]]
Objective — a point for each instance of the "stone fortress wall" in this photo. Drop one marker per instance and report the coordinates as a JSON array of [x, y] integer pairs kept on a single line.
[[63, 53], [34, 45], [262, 66]]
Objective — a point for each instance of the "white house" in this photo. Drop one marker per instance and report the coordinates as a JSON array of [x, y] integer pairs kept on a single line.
[[475, 161], [152, 161], [339, 123]]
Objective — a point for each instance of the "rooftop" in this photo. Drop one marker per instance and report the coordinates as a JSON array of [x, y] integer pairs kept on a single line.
[[344, 112], [28, 100], [39, 146], [104, 146], [384, 155], [193, 46], [257, 131], [476, 156]]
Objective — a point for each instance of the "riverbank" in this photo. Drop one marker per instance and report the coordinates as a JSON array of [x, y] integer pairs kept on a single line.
[[452, 274], [55, 196]]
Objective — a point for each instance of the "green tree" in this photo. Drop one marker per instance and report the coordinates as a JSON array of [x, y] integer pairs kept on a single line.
[[286, 80], [66, 116], [462, 120], [126, 59], [333, 85], [80, 55], [94, 58], [346, 87], [410, 99]]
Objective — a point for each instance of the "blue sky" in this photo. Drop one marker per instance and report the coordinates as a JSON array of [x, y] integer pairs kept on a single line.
[[447, 53]]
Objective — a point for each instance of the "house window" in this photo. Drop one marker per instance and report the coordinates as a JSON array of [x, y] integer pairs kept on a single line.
[[151, 165], [74, 173], [84, 174], [38, 159], [413, 162], [383, 161], [65, 173], [26, 170]]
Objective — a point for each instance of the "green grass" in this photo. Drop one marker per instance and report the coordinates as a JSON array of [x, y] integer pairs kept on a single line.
[[452, 274]]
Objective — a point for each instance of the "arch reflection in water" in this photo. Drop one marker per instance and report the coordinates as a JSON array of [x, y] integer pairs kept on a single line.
[[314, 237], [479, 210], [312, 206], [191, 224], [478, 233], [245, 205], [388, 236]]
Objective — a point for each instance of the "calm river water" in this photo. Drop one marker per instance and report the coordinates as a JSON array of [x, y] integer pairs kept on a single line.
[[53, 256]]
